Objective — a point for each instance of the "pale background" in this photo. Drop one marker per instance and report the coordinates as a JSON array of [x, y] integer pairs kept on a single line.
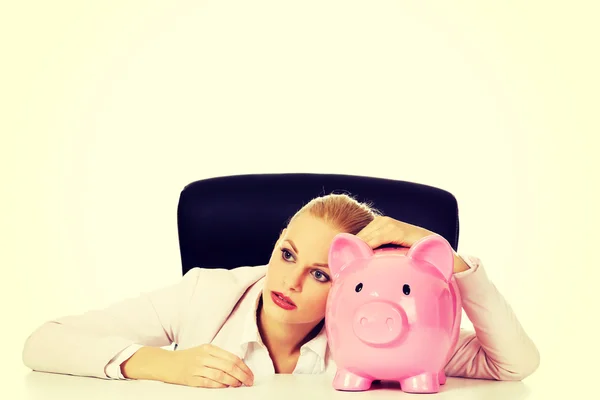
[[109, 108]]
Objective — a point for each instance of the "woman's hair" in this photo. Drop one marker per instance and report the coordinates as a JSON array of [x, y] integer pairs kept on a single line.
[[341, 211]]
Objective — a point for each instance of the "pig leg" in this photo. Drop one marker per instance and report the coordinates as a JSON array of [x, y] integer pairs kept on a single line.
[[346, 380], [424, 383], [442, 377]]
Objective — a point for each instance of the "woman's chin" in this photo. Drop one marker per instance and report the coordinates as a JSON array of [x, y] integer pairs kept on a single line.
[[276, 313]]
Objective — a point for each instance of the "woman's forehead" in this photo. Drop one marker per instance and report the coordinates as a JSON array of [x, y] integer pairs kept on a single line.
[[311, 233]]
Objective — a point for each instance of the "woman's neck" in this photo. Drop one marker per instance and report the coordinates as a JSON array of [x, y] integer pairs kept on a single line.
[[284, 340]]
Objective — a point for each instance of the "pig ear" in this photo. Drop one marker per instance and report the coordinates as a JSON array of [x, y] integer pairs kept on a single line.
[[435, 250], [345, 248]]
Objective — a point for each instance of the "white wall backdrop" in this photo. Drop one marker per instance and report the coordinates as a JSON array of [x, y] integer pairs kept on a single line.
[[110, 108]]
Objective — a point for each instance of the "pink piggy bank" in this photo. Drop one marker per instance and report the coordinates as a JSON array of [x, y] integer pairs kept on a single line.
[[392, 314]]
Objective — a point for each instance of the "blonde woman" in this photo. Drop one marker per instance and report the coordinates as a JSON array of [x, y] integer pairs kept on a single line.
[[231, 326]]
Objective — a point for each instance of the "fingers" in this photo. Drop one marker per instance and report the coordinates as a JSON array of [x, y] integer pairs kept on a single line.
[[202, 381], [379, 232], [228, 371], [220, 353], [382, 235], [386, 230], [218, 376], [371, 227]]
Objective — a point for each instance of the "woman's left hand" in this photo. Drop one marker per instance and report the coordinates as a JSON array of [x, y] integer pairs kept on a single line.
[[386, 230]]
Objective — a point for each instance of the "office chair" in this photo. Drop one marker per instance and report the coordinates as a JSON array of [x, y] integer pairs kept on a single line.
[[233, 221]]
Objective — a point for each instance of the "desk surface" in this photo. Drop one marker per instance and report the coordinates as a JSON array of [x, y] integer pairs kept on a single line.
[[36, 385]]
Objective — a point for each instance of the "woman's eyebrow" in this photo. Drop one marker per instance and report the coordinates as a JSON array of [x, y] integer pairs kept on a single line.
[[297, 252], [293, 245]]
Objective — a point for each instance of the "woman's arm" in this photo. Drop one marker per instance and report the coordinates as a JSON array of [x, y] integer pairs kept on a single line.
[[498, 348], [85, 344]]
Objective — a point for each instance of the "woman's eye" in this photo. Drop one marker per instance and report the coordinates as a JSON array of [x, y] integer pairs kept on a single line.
[[286, 255], [320, 276]]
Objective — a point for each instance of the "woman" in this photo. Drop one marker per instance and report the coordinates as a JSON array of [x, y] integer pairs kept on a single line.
[[229, 326]]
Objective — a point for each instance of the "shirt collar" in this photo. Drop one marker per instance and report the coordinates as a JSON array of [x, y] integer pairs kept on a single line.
[[317, 345], [250, 334]]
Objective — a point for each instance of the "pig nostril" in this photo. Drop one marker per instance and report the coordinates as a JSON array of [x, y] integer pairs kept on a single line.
[[363, 321], [390, 323]]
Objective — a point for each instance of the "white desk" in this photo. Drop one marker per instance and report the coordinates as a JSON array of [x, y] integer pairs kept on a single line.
[[37, 386]]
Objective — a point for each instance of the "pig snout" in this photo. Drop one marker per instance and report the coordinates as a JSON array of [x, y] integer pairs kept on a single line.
[[379, 323]]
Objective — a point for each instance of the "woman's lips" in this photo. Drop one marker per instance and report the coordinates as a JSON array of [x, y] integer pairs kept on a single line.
[[285, 298], [282, 301]]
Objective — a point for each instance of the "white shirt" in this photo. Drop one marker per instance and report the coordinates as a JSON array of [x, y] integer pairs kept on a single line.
[[248, 345], [239, 335]]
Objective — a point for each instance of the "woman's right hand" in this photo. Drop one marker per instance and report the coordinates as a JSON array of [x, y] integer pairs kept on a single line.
[[201, 366]]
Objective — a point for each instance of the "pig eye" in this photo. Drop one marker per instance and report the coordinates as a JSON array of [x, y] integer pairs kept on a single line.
[[406, 289], [358, 287]]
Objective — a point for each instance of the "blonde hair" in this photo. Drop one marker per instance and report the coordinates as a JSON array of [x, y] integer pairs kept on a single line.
[[341, 211]]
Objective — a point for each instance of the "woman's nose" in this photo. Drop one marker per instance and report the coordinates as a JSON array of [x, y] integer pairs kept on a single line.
[[294, 280]]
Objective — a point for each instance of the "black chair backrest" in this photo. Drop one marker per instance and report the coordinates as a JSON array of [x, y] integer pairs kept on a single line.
[[233, 221]]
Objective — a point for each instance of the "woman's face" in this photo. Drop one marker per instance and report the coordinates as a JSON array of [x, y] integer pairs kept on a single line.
[[298, 270]]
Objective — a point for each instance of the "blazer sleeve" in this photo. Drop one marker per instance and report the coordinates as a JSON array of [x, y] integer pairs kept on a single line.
[[498, 348], [113, 368], [85, 344]]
